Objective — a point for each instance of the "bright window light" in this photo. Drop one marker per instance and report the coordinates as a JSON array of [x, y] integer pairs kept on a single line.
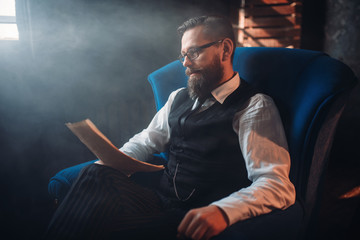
[[7, 8], [9, 31], [8, 26]]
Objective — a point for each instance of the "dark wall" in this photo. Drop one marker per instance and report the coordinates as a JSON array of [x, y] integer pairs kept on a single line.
[[89, 59], [341, 41], [333, 26]]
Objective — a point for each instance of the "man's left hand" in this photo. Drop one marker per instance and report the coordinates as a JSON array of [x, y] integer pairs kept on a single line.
[[202, 223]]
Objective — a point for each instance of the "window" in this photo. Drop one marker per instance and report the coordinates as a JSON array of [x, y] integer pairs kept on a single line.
[[8, 26], [269, 23]]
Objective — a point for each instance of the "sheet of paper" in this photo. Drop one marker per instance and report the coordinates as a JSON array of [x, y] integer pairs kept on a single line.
[[102, 147]]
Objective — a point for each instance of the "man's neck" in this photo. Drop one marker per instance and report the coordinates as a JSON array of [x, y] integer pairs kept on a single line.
[[229, 73]]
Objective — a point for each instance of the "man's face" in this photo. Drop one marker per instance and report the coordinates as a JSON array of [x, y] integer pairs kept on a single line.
[[205, 72]]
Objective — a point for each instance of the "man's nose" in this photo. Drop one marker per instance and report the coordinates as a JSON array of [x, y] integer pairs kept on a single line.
[[187, 62]]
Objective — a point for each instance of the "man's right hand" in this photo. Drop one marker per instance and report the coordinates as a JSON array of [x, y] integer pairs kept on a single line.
[[202, 223]]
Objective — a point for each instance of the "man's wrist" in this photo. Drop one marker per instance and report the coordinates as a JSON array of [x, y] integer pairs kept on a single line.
[[226, 218]]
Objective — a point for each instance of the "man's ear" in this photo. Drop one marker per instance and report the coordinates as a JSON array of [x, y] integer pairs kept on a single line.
[[227, 49]]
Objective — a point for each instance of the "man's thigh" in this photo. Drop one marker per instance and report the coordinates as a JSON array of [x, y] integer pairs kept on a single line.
[[104, 201]]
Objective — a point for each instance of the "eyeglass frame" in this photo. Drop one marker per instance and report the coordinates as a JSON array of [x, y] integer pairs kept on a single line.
[[197, 50]]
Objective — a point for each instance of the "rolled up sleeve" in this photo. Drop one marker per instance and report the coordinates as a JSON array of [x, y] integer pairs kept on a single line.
[[264, 147]]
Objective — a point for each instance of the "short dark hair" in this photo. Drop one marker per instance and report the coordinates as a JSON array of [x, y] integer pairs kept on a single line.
[[216, 27]]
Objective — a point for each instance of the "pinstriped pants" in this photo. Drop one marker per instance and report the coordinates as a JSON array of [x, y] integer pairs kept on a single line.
[[105, 204]]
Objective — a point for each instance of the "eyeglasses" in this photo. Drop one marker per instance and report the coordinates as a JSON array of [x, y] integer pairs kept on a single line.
[[193, 53]]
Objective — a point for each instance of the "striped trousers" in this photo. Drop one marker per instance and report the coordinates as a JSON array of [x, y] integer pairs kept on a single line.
[[103, 203]]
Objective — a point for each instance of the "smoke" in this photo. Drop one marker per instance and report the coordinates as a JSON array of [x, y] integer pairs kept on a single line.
[[90, 59]]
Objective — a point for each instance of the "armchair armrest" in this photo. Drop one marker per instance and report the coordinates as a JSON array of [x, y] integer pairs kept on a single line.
[[61, 182]]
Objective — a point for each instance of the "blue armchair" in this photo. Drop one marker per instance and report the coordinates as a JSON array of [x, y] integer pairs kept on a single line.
[[310, 89]]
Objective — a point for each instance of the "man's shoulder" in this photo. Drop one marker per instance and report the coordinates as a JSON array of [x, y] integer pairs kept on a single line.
[[180, 92], [181, 96], [174, 93]]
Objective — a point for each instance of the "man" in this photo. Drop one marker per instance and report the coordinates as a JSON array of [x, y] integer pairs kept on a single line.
[[228, 158]]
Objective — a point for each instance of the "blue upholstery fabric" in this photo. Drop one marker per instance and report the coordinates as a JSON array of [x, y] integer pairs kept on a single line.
[[302, 83], [165, 80], [60, 184], [305, 85]]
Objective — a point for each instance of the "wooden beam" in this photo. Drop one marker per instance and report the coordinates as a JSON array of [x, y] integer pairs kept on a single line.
[[271, 42], [273, 10], [282, 21], [271, 32]]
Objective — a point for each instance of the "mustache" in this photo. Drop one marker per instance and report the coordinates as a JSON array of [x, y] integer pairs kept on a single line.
[[190, 71]]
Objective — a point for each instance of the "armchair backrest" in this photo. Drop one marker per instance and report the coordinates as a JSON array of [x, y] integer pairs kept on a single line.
[[306, 85]]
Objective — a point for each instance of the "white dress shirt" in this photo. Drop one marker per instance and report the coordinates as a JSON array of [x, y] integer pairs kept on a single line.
[[263, 144]]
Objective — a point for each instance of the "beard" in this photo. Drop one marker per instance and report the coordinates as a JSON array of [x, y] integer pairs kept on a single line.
[[206, 79]]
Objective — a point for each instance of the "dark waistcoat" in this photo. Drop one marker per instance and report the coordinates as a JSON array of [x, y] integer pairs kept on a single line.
[[205, 160]]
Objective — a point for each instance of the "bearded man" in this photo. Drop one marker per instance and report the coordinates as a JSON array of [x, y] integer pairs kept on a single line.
[[228, 158]]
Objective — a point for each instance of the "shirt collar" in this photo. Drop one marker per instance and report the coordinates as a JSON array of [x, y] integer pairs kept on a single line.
[[224, 90]]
